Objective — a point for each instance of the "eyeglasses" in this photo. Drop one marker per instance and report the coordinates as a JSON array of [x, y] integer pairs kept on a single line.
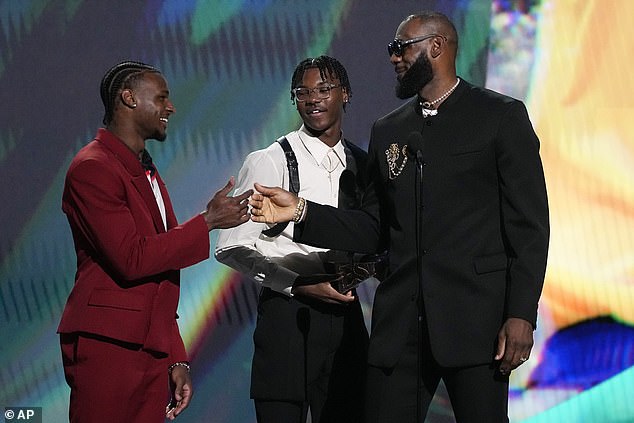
[[396, 47], [323, 92]]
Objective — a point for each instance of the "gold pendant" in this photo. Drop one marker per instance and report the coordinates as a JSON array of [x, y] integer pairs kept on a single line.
[[393, 154]]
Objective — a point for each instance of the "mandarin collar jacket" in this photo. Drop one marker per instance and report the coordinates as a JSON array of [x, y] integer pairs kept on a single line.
[[463, 211]]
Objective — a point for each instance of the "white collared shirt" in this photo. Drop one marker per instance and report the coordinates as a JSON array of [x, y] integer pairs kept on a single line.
[[277, 261], [159, 198]]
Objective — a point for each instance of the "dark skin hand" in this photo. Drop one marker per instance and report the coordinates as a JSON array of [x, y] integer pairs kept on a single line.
[[224, 211], [515, 341], [323, 291], [181, 392]]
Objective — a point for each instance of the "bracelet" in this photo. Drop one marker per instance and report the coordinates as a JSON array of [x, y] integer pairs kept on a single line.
[[179, 364], [301, 218], [299, 210]]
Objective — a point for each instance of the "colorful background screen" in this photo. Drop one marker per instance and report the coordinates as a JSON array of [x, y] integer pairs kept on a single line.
[[229, 65]]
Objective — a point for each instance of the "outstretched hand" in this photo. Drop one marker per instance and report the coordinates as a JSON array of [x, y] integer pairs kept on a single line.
[[224, 211], [272, 204]]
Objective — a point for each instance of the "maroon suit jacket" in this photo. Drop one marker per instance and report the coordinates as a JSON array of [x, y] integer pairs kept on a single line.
[[128, 281]]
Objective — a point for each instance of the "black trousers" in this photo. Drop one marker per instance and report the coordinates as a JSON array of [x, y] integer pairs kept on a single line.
[[478, 394], [308, 354]]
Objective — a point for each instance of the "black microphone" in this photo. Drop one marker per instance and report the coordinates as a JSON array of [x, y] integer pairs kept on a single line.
[[415, 145]]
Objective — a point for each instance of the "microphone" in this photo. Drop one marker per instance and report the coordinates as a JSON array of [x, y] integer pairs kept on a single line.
[[419, 157], [415, 145]]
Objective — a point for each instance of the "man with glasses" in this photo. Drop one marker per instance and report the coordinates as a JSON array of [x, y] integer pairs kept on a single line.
[[457, 190], [310, 339]]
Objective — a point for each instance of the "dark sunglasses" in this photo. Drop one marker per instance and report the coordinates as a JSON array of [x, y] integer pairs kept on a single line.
[[396, 47]]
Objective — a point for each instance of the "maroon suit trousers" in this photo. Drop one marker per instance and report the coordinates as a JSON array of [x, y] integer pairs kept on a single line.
[[113, 381]]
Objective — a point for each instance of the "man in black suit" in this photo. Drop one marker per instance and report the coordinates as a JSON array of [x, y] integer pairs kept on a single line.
[[458, 193]]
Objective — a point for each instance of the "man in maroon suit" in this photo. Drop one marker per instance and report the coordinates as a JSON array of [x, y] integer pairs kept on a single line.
[[120, 342]]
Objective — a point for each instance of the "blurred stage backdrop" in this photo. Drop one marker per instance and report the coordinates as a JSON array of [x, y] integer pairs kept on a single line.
[[228, 64]]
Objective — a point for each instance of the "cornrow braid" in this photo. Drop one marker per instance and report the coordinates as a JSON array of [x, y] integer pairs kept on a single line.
[[119, 77], [329, 67]]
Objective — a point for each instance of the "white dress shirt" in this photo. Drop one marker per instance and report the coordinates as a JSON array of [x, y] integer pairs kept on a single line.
[[276, 262], [159, 198]]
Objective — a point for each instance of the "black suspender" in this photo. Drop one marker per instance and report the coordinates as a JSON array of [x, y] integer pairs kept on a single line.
[[351, 183], [293, 182]]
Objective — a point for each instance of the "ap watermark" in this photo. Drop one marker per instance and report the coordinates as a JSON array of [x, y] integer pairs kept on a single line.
[[23, 414]]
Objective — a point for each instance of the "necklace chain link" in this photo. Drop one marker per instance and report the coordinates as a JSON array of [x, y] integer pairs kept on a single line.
[[430, 104]]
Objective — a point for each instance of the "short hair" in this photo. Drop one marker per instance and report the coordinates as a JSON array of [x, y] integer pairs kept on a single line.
[[441, 22], [119, 77], [328, 67]]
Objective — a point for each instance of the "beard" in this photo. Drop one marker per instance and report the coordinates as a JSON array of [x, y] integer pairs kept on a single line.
[[415, 78]]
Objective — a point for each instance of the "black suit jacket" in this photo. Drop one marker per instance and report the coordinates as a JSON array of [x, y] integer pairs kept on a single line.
[[483, 222]]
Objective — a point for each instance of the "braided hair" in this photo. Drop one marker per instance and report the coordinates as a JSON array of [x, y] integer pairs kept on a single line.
[[329, 67], [120, 77]]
